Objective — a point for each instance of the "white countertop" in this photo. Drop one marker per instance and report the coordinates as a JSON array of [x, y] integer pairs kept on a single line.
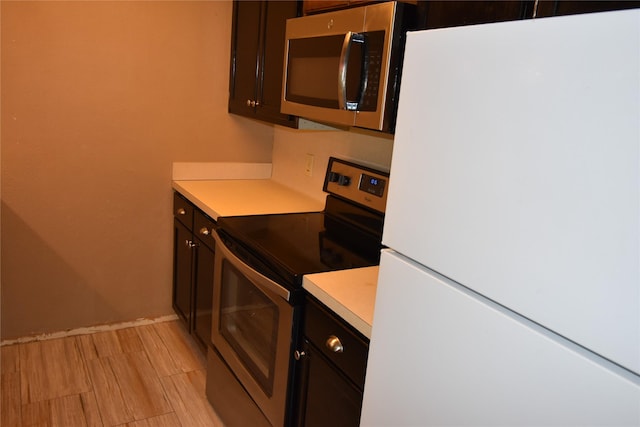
[[349, 293], [245, 197]]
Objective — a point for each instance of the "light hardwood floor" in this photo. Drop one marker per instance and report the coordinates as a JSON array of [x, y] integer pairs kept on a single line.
[[143, 376]]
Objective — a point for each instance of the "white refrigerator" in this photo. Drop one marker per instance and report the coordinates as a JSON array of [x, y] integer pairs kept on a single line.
[[510, 292]]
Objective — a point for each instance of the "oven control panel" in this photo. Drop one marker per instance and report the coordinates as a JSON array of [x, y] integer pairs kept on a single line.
[[357, 183]]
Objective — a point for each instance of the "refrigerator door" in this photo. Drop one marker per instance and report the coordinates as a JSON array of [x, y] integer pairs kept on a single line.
[[442, 355], [516, 170]]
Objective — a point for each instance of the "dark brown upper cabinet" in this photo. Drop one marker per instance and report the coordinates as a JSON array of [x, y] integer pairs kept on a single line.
[[257, 58], [561, 7], [315, 6], [440, 14]]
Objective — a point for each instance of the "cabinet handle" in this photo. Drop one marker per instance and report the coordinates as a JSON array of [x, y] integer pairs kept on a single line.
[[181, 211], [204, 231], [190, 244], [299, 354], [333, 343], [252, 103]]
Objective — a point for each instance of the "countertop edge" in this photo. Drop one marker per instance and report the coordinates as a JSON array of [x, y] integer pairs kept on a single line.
[[193, 198], [337, 307]]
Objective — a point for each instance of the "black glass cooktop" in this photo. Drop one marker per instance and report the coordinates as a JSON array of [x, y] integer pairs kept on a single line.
[[284, 247]]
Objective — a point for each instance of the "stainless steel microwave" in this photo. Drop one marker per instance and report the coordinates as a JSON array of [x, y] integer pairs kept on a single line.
[[344, 67]]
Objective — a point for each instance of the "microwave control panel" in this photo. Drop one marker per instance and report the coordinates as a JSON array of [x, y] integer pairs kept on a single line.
[[356, 183]]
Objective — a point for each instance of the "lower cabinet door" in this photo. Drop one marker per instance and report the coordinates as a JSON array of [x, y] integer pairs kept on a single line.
[[203, 288], [182, 272], [330, 398]]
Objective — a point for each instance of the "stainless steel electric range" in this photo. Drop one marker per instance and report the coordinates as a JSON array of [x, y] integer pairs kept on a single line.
[[258, 297]]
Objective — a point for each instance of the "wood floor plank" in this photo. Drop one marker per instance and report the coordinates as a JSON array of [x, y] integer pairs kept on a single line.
[[10, 405], [111, 404], [142, 392], [130, 340], [158, 354], [67, 411], [51, 369], [190, 406], [106, 343], [182, 348], [87, 347], [9, 358], [107, 380], [166, 420], [36, 414], [198, 380], [91, 410]]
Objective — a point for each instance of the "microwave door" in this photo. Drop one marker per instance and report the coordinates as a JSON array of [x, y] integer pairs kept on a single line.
[[314, 50], [313, 81]]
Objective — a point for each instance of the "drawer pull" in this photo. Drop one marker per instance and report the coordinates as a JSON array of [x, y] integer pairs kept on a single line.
[[181, 211], [204, 231], [333, 344]]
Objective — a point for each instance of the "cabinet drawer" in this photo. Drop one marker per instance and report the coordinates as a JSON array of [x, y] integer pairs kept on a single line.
[[183, 210], [321, 325], [202, 227]]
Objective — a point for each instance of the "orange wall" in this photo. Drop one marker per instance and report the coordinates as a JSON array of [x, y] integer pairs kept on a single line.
[[98, 99]]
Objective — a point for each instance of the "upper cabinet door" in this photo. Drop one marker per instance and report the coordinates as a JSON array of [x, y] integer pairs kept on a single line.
[[272, 61], [440, 14], [257, 57], [562, 7], [245, 42]]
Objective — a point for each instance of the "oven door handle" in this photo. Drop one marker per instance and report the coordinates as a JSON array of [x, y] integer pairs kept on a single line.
[[258, 279]]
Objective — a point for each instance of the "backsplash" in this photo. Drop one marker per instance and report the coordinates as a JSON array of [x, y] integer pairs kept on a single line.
[[291, 147]]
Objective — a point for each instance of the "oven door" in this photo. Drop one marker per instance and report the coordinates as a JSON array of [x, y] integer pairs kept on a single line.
[[252, 330]]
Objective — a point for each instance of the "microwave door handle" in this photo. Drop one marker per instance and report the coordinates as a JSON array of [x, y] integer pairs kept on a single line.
[[342, 70], [343, 103]]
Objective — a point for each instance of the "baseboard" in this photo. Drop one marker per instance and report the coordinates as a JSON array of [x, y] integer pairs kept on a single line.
[[89, 330]]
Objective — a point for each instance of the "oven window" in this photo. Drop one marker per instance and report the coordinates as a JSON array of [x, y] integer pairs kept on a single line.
[[249, 323]]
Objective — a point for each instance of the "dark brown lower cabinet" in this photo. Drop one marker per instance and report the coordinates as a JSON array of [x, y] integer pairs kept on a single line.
[[203, 279], [182, 270], [193, 261], [333, 361], [331, 399]]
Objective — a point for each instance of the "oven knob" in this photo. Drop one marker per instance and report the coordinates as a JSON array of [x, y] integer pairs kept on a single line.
[[334, 176], [344, 180]]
